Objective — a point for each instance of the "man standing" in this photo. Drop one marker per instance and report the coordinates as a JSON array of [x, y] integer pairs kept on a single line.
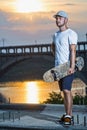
[[64, 49]]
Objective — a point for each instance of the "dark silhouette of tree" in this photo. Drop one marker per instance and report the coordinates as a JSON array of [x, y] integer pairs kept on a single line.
[[79, 99], [54, 98]]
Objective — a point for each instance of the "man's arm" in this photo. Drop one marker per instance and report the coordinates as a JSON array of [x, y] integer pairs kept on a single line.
[[72, 58], [53, 48]]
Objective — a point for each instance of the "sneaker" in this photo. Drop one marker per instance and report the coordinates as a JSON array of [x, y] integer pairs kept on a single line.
[[62, 118], [67, 120]]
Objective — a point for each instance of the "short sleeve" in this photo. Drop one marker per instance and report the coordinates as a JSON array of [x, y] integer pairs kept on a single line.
[[73, 37]]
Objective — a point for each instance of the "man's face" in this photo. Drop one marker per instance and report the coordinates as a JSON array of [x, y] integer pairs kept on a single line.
[[60, 21]]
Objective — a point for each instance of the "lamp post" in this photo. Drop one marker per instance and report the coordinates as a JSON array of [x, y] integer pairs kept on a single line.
[[3, 41], [86, 37]]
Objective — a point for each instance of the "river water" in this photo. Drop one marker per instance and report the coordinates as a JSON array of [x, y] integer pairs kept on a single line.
[[34, 91], [27, 92]]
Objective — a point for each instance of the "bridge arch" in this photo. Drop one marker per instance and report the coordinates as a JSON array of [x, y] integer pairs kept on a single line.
[[37, 63]]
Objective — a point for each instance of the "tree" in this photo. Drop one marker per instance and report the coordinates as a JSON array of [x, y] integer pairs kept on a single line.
[[79, 99], [54, 98]]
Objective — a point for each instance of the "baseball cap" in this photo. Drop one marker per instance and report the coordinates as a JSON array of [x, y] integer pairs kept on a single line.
[[61, 13]]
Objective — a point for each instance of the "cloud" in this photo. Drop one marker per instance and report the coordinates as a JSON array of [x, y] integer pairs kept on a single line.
[[19, 19], [24, 27], [70, 4]]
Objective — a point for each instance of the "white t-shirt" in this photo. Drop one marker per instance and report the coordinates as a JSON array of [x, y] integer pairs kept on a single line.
[[62, 41]]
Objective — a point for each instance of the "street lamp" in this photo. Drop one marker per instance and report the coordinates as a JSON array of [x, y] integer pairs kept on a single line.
[[3, 41], [86, 37]]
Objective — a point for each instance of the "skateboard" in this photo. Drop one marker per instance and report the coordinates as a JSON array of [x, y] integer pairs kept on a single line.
[[59, 72]]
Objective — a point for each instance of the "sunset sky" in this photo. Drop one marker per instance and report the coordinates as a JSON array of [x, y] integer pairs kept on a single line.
[[24, 22]]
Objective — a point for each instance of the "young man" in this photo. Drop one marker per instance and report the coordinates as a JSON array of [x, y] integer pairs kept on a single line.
[[64, 49]]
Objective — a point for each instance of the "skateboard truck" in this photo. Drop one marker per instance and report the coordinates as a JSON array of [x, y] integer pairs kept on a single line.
[[55, 74], [76, 68]]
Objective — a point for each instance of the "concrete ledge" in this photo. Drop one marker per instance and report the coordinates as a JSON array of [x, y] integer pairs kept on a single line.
[[16, 106], [41, 107]]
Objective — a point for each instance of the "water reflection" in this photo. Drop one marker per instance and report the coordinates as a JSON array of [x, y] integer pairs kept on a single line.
[[27, 92], [32, 92]]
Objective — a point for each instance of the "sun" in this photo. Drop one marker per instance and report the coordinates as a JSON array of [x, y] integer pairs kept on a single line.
[[25, 6], [32, 92]]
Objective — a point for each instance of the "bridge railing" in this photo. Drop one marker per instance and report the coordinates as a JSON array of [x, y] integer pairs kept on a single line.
[[23, 50], [36, 49]]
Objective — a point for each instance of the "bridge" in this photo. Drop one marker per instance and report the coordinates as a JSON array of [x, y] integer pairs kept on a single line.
[[10, 55]]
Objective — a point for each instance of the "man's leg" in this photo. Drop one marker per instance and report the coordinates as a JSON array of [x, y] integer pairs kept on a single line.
[[65, 85], [68, 102]]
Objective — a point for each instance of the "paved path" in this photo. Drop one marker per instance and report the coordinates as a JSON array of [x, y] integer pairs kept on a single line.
[[43, 117]]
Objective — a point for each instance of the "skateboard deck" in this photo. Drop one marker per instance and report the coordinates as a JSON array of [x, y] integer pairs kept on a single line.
[[58, 72]]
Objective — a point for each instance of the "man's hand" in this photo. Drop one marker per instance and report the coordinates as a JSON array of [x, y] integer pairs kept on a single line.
[[71, 71]]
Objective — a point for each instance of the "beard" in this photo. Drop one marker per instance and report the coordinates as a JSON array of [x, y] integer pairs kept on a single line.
[[60, 25]]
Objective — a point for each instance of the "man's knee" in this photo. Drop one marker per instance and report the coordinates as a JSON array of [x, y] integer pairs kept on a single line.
[[65, 91]]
